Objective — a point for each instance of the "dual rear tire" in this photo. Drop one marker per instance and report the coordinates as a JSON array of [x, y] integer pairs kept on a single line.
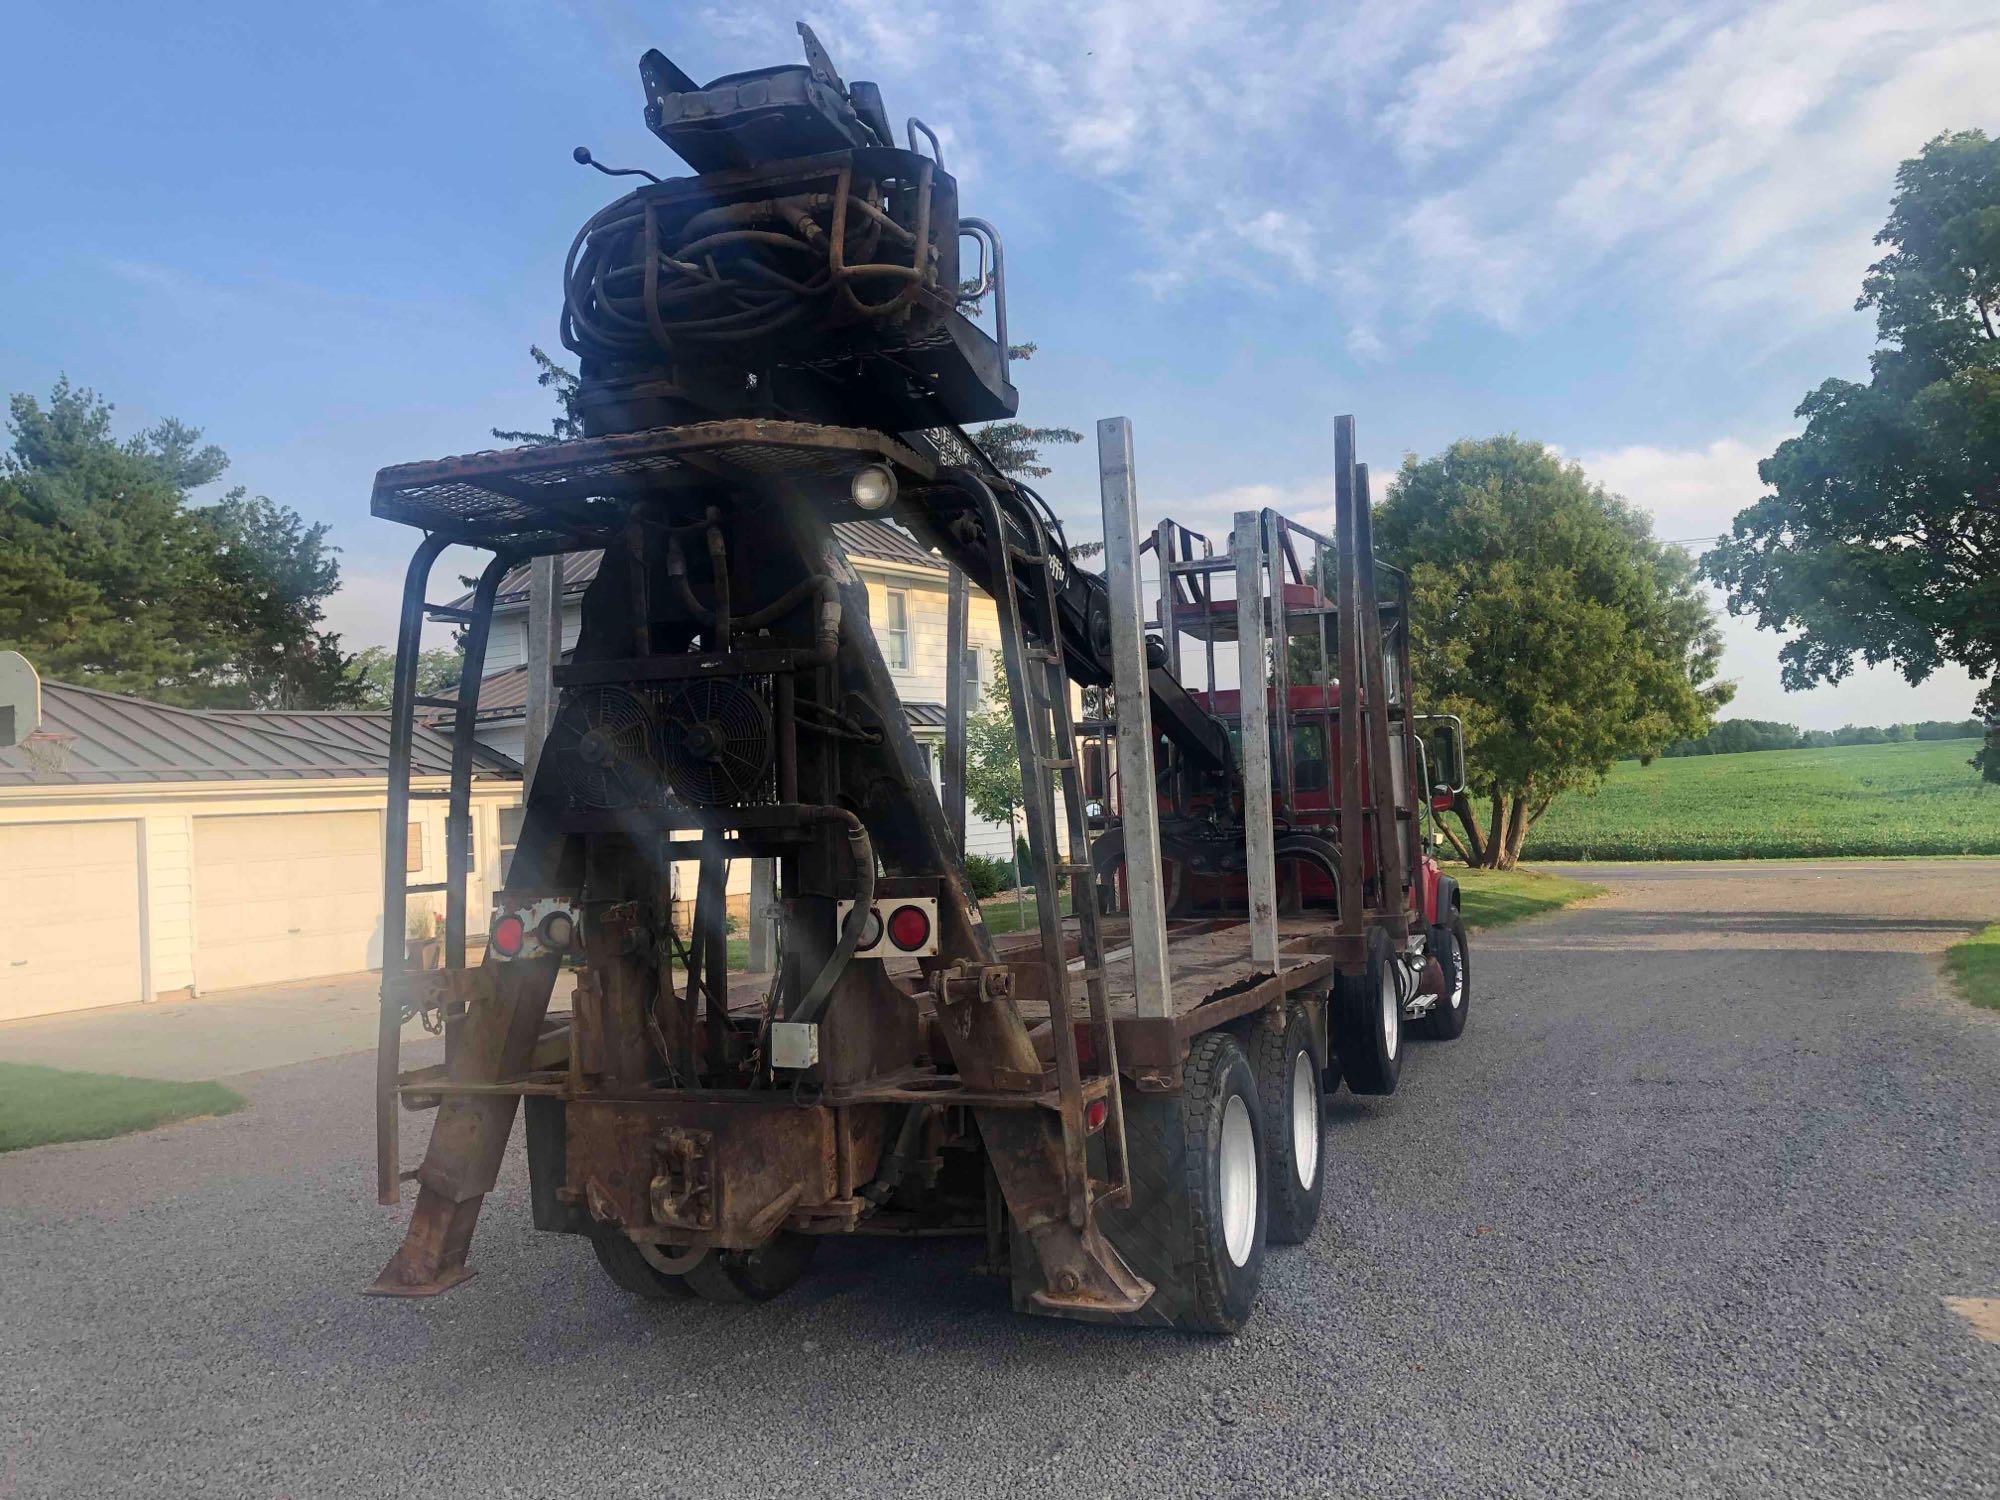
[[1289, 1068], [1232, 1164], [718, 1276]]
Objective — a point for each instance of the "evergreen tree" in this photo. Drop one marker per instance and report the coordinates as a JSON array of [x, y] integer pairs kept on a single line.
[[111, 576]]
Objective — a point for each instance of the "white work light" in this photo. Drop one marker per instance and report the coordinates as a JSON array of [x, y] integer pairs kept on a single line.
[[874, 488]]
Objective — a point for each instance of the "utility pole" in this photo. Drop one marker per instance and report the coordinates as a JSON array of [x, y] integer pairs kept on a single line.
[[544, 648], [956, 610]]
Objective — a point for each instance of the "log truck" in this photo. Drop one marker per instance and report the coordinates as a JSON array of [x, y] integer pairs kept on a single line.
[[1127, 1101]]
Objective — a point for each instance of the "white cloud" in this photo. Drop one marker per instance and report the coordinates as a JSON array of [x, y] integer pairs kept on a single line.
[[1425, 161], [1485, 61], [1692, 493]]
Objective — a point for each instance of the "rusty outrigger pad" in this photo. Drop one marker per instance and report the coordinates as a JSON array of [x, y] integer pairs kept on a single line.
[[431, 1258]]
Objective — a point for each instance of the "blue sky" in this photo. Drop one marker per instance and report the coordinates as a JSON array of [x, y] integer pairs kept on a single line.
[[327, 235]]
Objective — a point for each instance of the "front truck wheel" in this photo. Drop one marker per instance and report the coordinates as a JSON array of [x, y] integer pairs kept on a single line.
[[1446, 1019], [1288, 1068], [1197, 1221], [1367, 1021]]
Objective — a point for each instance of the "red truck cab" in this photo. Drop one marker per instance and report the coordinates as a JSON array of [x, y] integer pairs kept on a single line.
[[1304, 796]]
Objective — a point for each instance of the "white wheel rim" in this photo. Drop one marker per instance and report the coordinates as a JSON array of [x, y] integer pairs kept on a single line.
[[1239, 1180], [1305, 1119], [1457, 973], [1392, 1012]]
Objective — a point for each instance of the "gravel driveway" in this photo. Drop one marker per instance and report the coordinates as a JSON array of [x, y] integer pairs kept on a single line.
[[1677, 1216]]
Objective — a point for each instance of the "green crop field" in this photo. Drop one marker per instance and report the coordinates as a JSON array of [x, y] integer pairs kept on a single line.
[[1914, 798]]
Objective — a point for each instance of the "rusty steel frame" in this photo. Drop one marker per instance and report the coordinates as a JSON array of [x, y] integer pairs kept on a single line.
[[491, 1044]]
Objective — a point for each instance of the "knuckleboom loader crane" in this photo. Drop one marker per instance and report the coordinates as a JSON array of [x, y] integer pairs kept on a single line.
[[1127, 1101]]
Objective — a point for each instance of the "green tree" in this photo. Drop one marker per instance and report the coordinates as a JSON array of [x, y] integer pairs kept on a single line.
[[1544, 613], [993, 763], [568, 421], [113, 576], [1880, 535], [375, 672]]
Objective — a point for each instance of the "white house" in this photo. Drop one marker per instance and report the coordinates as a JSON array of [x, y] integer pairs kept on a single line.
[[149, 851]]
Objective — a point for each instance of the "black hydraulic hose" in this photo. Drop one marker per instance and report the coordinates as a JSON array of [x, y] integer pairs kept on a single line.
[[862, 850], [826, 640], [718, 558], [896, 1163]]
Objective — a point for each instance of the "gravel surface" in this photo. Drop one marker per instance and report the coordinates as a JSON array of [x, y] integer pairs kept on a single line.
[[1677, 1216]]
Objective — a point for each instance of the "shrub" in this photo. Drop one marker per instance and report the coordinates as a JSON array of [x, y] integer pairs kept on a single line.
[[988, 877]]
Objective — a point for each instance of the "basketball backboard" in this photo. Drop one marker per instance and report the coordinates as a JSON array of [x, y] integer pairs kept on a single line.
[[20, 699]]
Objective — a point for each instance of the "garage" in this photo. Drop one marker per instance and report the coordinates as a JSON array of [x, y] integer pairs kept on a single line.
[[286, 896], [71, 939]]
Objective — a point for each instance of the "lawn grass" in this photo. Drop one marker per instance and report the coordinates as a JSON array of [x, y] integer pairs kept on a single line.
[[1492, 898], [999, 914], [39, 1106], [1975, 964], [1488, 898], [1918, 798]]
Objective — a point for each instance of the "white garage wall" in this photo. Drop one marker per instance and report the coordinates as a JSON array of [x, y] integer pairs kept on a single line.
[[164, 813], [169, 859], [75, 932]]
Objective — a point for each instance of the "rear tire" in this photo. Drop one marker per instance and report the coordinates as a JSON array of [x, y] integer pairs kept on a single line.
[[1446, 1020], [1289, 1068], [1367, 1021], [1200, 1206], [631, 1271], [753, 1275]]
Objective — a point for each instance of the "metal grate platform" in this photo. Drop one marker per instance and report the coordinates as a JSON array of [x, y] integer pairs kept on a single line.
[[551, 496]]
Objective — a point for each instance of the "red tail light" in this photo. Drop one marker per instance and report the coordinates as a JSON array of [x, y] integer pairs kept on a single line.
[[508, 936], [1095, 1114], [909, 927]]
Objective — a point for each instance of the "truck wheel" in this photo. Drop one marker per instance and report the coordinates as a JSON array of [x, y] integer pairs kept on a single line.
[[625, 1265], [1196, 1224], [753, 1275], [1288, 1070], [1447, 1018], [1368, 1021]]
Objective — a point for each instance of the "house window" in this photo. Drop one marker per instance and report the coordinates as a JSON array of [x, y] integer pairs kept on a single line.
[[896, 629], [973, 680]]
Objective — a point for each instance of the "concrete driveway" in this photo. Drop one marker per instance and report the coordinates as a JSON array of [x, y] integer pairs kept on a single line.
[[1679, 1215], [216, 1036]]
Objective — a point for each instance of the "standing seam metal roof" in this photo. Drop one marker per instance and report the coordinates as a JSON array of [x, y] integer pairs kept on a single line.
[[115, 738]]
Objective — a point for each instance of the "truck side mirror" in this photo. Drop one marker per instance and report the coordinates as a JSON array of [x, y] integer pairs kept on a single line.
[[1444, 749]]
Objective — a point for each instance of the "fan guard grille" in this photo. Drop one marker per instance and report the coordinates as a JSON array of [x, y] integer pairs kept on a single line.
[[715, 738], [607, 742]]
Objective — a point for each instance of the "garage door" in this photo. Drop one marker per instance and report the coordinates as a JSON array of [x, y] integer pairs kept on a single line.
[[289, 896], [70, 939]]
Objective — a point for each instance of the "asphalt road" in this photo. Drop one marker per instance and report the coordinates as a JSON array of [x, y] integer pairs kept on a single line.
[[1677, 1216]]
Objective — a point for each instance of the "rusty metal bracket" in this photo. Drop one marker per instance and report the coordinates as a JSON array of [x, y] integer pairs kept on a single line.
[[965, 981], [440, 995], [683, 1192]]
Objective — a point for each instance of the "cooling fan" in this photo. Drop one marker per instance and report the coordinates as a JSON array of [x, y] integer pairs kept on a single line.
[[606, 741], [715, 742]]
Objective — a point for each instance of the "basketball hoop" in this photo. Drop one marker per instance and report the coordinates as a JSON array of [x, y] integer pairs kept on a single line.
[[48, 751]]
